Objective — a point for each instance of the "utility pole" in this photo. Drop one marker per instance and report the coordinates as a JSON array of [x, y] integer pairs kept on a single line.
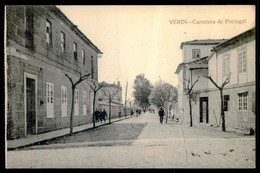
[[126, 96]]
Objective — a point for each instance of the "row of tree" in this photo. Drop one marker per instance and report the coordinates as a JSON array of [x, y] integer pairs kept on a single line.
[[159, 94], [95, 87], [162, 93]]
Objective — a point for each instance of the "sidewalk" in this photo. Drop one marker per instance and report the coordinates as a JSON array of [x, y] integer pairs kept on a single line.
[[33, 139]]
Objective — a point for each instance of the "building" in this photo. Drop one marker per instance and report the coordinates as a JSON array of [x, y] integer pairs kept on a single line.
[[111, 93], [234, 57], [194, 64], [42, 46]]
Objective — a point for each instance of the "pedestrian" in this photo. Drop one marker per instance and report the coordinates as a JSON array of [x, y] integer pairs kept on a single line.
[[100, 115], [132, 113], [161, 114], [137, 112], [97, 115], [104, 115], [119, 114]]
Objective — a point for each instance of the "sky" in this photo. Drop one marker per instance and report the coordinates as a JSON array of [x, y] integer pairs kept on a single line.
[[145, 39]]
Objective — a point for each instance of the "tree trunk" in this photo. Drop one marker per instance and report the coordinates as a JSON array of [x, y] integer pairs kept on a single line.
[[109, 112], [222, 111], [190, 110], [72, 109], [93, 116]]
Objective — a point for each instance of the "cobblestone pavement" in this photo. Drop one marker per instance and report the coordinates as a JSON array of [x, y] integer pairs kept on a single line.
[[170, 145]]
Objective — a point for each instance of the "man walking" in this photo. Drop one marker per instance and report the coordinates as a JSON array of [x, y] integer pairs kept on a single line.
[[161, 114], [104, 114], [97, 115]]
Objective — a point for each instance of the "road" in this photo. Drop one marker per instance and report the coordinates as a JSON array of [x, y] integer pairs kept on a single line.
[[170, 145]]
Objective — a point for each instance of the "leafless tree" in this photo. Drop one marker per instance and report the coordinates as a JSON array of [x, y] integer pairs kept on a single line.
[[220, 88], [73, 86], [95, 87], [110, 95], [189, 89]]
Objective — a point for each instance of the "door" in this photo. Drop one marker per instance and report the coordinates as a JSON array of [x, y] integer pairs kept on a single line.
[[30, 106], [204, 117], [50, 100], [63, 101], [76, 102], [84, 103]]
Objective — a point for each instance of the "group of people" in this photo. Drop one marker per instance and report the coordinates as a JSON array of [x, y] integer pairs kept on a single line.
[[138, 112], [100, 115]]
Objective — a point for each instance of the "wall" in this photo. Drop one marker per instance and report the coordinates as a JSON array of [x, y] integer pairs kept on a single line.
[[205, 50], [233, 64], [48, 64]]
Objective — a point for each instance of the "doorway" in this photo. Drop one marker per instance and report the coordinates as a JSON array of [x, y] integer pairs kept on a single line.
[[204, 116], [30, 104]]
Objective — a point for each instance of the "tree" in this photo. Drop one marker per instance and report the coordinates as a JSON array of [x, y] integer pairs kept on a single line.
[[220, 88], [73, 86], [142, 89], [110, 95], [189, 89], [162, 94], [95, 87]]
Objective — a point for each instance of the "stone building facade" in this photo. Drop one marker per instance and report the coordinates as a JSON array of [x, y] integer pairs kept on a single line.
[[234, 57], [111, 92], [42, 45]]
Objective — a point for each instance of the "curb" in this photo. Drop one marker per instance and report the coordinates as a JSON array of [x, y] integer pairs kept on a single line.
[[64, 135]]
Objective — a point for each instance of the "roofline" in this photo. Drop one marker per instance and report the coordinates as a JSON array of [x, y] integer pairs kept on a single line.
[[232, 38], [217, 47], [75, 28], [206, 57], [187, 42]]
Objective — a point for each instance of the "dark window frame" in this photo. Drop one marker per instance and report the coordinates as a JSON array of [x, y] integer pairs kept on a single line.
[[196, 53], [83, 55], [63, 42], [226, 100], [49, 33], [75, 50]]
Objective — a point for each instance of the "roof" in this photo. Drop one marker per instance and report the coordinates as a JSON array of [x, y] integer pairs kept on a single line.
[[201, 63], [75, 28], [203, 42], [232, 40], [109, 85], [243, 34]]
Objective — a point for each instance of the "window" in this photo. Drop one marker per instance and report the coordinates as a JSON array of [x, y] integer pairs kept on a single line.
[[226, 99], [242, 61], [50, 99], [63, 101], [84, 103], [29, 27], [48, 32], [195, 53], [92, 68], [76, 102], [62, 41], [83, 56], [75, 50], [242, 101], [225, 66]]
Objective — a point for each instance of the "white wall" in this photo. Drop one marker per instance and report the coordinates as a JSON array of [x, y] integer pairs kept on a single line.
[[216, 72], [205, 50], [212, 70]]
